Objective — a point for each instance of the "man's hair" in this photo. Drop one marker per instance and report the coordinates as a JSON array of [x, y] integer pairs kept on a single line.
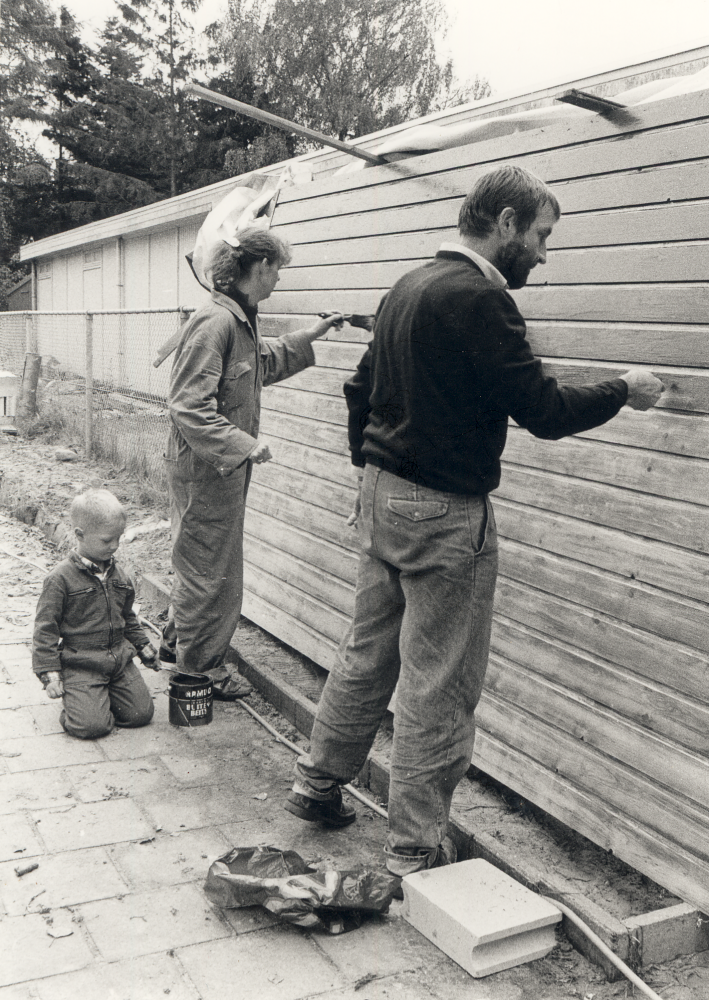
[[504, 187], [229, 264], [95, 507]]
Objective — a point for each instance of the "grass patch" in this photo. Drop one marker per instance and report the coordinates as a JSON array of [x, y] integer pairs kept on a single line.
[[130, 434]]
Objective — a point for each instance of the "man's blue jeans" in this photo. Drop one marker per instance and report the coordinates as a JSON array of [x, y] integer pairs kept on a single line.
[[422, 618]]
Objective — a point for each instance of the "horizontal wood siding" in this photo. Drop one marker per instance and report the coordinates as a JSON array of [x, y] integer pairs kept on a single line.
[[596, 704]]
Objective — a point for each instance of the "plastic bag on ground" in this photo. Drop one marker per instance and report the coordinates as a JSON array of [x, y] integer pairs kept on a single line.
[[296, 893]]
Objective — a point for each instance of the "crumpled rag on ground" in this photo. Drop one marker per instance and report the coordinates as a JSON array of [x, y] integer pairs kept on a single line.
[[296, 893]]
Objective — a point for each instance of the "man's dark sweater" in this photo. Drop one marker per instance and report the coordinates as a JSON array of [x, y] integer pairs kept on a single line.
[[448, 364]]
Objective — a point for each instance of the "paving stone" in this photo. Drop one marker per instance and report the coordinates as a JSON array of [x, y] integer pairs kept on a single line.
[[153, 977], [16, 722], [248, 919], [275, 964], [445, 979], [92, 824], [23, 991], [35, 790], [402, 987], [190, 770], [17, 662], [170, 860], [192, 808], [118, 779], [226, 767], [127, 744], [147, 922], [158, 686], [61, 880], [25, 692], [221, 733], [18, 839], [37, 752], [46, 717], [382, 945], [28, 952]]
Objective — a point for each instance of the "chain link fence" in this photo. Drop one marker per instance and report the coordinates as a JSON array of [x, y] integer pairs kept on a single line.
[[97, 378]]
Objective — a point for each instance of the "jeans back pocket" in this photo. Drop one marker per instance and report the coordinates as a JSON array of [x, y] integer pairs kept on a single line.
[[417, 510]]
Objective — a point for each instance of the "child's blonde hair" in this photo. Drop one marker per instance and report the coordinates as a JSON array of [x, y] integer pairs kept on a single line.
[[95, 507]]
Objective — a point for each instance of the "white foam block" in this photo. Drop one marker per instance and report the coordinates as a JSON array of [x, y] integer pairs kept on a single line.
[[480, 917]]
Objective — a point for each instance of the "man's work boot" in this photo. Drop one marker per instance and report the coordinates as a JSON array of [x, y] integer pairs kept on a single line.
[[230, 688], [332, 810], [227, 682]]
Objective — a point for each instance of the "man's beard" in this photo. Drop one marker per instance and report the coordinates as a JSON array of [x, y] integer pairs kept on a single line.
[[513, 263]]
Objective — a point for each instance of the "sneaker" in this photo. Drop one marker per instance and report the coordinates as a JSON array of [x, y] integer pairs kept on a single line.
[[332, 811]]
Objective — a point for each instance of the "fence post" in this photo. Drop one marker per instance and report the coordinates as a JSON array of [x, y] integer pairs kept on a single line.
[[30, 335], [89, 381], [27, 407]]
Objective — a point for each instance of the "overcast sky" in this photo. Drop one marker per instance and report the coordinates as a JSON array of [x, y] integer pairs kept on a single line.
[[523, 45]]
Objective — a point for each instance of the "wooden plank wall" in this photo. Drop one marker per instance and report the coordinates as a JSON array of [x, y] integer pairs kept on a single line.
[[596, 705]]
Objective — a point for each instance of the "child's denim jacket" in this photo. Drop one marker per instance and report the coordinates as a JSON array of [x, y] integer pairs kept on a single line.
[[94, 620]]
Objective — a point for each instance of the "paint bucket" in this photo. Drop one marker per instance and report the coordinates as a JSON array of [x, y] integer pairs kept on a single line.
[[190, 699]]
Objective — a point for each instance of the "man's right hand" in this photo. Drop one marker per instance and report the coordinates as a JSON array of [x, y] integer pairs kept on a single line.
[[644, 389], [261, 453]]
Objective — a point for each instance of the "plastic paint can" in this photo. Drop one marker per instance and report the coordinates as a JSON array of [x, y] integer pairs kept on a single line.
[[191, 698]]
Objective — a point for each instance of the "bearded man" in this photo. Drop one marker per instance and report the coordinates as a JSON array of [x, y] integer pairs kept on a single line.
[[449, 363]]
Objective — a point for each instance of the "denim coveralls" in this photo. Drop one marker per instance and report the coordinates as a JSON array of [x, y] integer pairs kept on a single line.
[[220, 367]]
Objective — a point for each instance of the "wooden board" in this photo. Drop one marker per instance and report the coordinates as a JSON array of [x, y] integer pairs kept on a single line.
[[330, 592], [657, 473], [574, 134], [673, 570], [680, 524], [310, 549], [627, 343], [636, 650], [653, 223], [373, 261], [289, 629], [662, 710], [678, 434], [294, 510], [552, 723], [645, 607], [643, 264], [318, 406], [293, 601]]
